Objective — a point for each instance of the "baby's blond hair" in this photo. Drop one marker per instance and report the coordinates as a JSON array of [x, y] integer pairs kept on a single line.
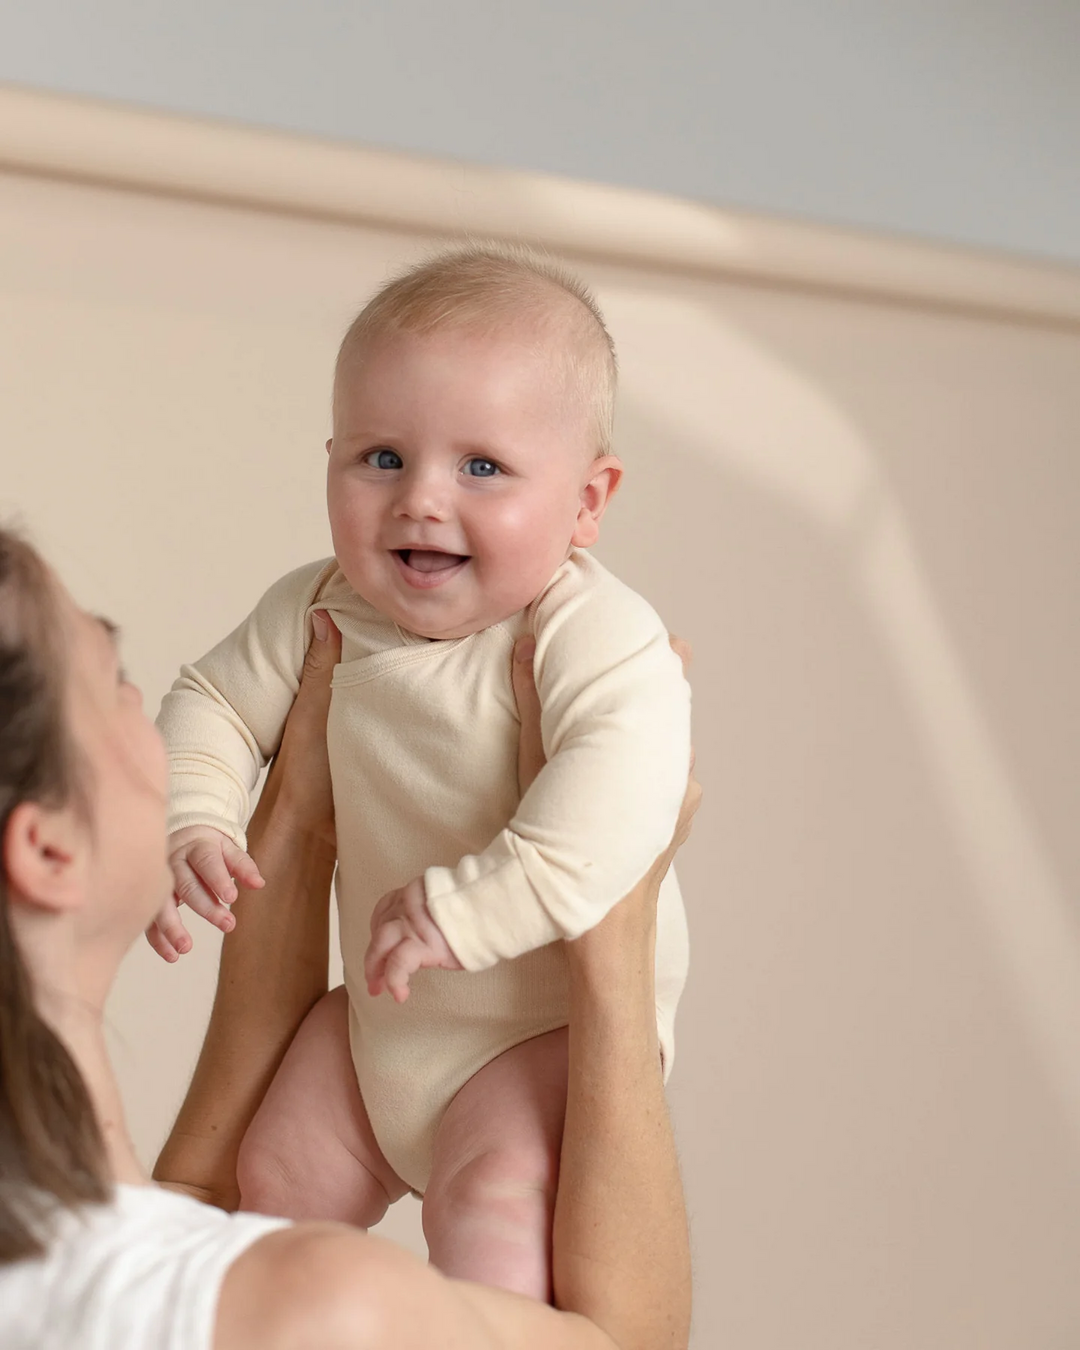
[[488, 287]]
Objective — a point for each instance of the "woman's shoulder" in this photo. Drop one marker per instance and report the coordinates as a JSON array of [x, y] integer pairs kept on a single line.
[[144, 1268], [338, 1288], [331, 1286], [156, 1268]]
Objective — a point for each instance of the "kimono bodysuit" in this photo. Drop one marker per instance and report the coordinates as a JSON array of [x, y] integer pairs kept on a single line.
[[423, 739]]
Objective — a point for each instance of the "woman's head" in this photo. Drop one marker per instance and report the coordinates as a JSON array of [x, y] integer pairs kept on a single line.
[[82, 870], [83, 774]]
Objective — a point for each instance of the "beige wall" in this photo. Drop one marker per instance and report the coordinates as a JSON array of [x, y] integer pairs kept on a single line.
[[863, 508]]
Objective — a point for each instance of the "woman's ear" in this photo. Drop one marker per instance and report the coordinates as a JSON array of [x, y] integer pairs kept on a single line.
[[44, 856], [605, 475]]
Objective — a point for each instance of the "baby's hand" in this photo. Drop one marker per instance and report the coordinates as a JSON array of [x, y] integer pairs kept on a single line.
[[204, 863], [404, 939]]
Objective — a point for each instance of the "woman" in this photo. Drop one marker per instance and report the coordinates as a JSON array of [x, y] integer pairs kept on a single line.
[[93, 1255]]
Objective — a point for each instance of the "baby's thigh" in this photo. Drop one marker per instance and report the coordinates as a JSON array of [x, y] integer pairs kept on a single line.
[[310, 1151], [506, 1123]]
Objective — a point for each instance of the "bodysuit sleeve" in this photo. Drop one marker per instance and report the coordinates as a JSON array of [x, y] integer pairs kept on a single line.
[[223, 718], [616, 732]]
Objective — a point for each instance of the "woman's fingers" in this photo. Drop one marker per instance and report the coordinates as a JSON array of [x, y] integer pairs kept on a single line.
[[692, 799], [324, 652], [691, 802], [682, 650], [531, 757], [306, 784]]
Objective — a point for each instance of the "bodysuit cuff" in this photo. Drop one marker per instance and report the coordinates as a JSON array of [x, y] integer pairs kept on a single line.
[[183, 820], [494, 917]]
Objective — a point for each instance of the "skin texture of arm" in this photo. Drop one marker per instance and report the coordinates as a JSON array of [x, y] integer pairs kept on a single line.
[[274, 964], [621, 1246], [621, 1251]]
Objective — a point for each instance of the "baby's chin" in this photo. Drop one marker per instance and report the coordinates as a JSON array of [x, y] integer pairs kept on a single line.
[[448, 631], [442, 618], [444, 628]]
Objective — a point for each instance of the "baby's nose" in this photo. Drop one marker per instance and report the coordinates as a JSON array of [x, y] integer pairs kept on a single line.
[[422, 497]]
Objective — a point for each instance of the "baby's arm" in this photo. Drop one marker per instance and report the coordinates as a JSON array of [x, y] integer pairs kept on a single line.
[[616, 729], [221, 721]]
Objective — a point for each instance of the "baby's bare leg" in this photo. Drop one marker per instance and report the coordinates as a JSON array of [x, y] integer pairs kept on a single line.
[[310, 1152], [489, 1204]]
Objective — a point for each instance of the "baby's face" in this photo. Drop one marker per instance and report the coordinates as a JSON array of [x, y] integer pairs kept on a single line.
[[456, 474]]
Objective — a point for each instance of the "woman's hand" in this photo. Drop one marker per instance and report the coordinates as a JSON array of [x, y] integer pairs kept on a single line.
[[299, 777]]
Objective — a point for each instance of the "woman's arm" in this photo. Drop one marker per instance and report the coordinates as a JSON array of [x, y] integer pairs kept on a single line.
[[621, 1248], [274, 964]]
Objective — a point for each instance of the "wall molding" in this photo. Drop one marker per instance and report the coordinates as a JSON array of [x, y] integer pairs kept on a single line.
[[138, 149]]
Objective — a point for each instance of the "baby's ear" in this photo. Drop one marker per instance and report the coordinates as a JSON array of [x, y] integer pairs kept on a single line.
[[605, 475], [329, 445]]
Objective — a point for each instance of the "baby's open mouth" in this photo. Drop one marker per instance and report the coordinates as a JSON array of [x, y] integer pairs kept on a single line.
[[429, 560]]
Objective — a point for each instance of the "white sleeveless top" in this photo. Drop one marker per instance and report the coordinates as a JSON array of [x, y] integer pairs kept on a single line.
[[141, 1273]]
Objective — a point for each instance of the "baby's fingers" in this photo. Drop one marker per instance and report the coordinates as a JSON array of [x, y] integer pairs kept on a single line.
[[161, 944], [382, 909], [192, 890], [405, 960], [242, 866], [167, 934], [383, 942], [375, 961], [207, 858]]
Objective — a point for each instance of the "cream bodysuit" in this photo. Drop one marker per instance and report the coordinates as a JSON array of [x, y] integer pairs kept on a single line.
[[423, 740]]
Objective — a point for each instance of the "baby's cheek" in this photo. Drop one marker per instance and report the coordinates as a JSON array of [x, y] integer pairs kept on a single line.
[[506, 581]]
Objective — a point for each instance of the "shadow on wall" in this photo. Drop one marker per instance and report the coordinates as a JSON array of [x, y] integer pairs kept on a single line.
[[884, 959]]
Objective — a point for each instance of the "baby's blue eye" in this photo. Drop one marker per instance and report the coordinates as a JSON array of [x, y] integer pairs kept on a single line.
[[383, 459], [481, 468]]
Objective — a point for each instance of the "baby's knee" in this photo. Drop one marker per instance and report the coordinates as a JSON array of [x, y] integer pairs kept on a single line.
[[289, 1184], [268, 1181], [512, 1190]]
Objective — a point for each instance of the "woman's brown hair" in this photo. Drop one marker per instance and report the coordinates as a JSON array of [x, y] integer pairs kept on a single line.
[[51, 1149]]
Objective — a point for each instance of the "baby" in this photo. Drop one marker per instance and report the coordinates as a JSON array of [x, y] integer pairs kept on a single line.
[[469, 469]]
